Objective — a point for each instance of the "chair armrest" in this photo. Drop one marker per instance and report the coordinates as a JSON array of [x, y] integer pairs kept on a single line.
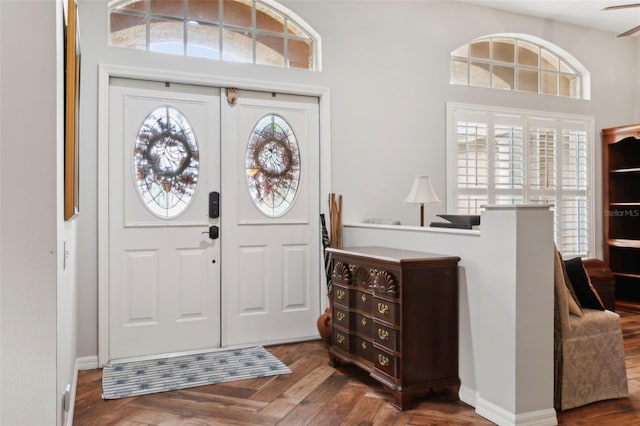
[[603, 280]]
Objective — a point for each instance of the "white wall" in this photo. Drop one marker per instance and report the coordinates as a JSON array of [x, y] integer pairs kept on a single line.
[[387, 65], [37, 302], [28, 220]]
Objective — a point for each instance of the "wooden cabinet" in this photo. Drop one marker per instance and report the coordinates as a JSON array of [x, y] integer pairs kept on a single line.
[[621, 194], [395, 314]]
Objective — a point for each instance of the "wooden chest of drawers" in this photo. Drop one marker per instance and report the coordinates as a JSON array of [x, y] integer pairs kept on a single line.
[[395, 314]]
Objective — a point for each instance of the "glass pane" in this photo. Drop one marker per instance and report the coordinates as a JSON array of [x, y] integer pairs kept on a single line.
[[272, 165], [528, 81], [479, 49], [300, 53], [237, 46], [503, 77], [166, 162], [564, 67], [166, 36], [268, 19], [479, 75], [459, 72], [527, 54], [172, 8], [471, 204], [549, 83], [237, 13], [204, 10], [138, 6], [549, 61], [269, 50], [569, 86], [462, 51], [203, 41], [295, 30], [504, 50], [128, 31]]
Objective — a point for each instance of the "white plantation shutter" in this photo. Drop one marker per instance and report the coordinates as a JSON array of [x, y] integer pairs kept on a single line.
[[508, 160], [472, 155], [574, 200], [515, 157]]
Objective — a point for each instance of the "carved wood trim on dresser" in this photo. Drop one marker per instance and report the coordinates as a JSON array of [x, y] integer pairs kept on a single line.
[[395, 314]]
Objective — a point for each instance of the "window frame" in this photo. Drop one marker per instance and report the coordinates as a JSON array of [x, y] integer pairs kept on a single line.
[[455, 110], [564, 58], [254, 32]]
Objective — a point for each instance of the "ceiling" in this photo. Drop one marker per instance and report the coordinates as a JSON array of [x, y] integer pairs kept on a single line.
[[587, 13]]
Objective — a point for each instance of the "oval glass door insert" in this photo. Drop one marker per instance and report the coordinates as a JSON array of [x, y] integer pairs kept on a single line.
[[166, 162], [272, 165]]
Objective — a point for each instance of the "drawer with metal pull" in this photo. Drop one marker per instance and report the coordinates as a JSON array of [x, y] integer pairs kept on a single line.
[[386, 311], [342, 295], [363, 348], [363, 325], [341, 316], [342, 340], [385, 362], [386, 336], [363, 300]]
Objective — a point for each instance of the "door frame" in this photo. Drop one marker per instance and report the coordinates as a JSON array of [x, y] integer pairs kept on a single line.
[[105, 72]]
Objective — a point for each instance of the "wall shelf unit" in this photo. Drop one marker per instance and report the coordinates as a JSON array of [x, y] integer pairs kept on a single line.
[[621, 196]]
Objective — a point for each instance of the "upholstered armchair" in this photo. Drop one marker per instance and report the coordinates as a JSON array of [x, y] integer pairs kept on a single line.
[[589, 362]]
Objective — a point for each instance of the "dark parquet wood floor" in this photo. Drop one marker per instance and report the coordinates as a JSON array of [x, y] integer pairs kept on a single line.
[[317, 394]]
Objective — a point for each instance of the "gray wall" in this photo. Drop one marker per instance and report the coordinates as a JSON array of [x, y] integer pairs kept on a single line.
[[387, 65]]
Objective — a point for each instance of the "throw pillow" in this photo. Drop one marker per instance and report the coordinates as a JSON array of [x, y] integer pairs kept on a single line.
[[586, 293]]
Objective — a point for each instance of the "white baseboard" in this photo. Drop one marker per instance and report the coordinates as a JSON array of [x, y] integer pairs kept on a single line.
[[468, 395], [503, 417], [87, 362]]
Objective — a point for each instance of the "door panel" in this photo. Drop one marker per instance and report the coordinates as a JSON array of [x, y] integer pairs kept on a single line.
[[271, 272], [164, 271]]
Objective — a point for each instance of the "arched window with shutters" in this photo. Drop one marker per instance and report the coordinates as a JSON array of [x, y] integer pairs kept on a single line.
[[251, 31]]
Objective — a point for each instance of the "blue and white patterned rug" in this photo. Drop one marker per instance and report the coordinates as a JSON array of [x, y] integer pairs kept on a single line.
[[166, 374]]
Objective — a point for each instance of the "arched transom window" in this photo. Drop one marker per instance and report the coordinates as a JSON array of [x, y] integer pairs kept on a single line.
[[252, 31], [519, 63]]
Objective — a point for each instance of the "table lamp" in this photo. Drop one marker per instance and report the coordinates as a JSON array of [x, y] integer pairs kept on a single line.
[[422, 193]]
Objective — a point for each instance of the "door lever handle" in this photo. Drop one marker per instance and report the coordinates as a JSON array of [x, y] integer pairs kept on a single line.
[[214, 232]]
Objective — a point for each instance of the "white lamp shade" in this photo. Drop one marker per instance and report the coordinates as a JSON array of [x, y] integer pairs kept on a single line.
[[422, 192]]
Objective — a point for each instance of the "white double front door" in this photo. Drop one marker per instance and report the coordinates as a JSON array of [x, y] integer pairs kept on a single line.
[[172, 288]]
